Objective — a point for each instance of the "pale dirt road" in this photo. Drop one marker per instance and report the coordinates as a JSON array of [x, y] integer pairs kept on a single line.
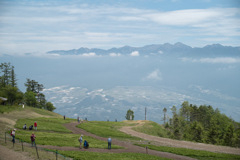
[[181, 144]]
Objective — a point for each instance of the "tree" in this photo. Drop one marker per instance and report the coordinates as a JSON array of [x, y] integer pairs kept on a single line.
[[185, 111], [30, 98], [164, 112], [6, 69], [129, 113], [42, 101], [229, 136], [174, 110], [49, 106], [212, 135], [11, 93], [13, 79]]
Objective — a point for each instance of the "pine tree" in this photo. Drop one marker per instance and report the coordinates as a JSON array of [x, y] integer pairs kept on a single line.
[[212, 135], [229, 136], [13, 79], [164, 112]]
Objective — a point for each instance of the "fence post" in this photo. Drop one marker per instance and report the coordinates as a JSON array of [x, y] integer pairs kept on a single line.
[[56, 154], [146, 149], [36, 151], [22, 145], [13, 142], [5, 138]]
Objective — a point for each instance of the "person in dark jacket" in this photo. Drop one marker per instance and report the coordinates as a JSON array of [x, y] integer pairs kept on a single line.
[[31, 127], [86, 145]]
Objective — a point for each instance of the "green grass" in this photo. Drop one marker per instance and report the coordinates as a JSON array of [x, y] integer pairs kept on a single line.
[[106, 129], [152, 128], [61, 139], [7, 109], [109, 156], [198, 154], [46, 124]]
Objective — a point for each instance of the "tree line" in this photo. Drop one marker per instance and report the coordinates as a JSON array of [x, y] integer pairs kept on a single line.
[[9, 89], [202, 124]]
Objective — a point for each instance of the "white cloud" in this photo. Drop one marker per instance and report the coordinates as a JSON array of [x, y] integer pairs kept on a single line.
[[155, 75], [115, 54], [134, 53], [88, 54], [213, 60], [160, 52], [220, 60]]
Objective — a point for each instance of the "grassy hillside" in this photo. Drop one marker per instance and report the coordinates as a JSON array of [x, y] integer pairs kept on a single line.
[[10, 114], [106, 129], [152, 128]]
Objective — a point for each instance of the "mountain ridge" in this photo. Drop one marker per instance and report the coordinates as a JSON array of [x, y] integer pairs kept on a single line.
[[165, 49]]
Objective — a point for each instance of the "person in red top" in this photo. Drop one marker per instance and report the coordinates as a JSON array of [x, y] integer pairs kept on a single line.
[[33, 139], [35, 125]]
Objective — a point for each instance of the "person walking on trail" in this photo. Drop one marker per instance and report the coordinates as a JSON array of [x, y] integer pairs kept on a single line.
[[109, 142], [35, 125], [33, 139], [80, 140], [78, 119], [13, 135], [64, 117]]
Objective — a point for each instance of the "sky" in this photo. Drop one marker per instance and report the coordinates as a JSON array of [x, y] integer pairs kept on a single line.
[[37, 27]]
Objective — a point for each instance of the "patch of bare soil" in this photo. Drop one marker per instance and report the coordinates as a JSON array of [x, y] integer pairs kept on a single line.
[[181, 144]]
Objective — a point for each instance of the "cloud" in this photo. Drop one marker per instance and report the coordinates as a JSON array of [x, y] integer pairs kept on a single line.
[[115, 54], [160, 52], [88, 54], [213, 60], [134, 53], [229, 67], [156, 75]]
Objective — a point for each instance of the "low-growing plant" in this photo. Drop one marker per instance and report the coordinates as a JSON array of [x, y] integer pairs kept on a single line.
[[110, 156], [106, 129], [61, 139], [46, 124], [152, 128], [198, 154]]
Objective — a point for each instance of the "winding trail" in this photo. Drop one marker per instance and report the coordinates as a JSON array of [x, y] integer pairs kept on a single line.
[[128, 147], [181, 144]]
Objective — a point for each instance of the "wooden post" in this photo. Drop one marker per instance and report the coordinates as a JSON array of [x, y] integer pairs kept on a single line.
[[146, 149], [22, 145], [36, 151], [5, 138], [56, 154]]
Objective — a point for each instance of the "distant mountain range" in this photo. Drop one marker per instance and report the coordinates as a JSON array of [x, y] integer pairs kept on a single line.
[[166, 49]]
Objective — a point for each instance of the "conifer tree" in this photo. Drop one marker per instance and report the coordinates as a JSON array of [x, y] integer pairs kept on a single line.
[[13, 79], [229, 136]]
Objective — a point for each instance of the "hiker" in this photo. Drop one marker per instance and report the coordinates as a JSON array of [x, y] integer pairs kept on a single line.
[[13, 135], [80, 140], [25, 126], [81, 121], [78, 119], [64, 117], [31, 127], [33, 139], [86, 144], [35, 125], [109, 142]]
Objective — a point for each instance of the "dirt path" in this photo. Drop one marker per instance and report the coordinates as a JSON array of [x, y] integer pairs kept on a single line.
[[181, 144], [8, 154], [128, 147]]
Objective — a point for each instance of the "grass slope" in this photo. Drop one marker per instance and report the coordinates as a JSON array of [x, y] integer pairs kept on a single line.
[[46, 124], [61, 139], [110, 156], [106, 129], [198, 154], [152, 128]]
